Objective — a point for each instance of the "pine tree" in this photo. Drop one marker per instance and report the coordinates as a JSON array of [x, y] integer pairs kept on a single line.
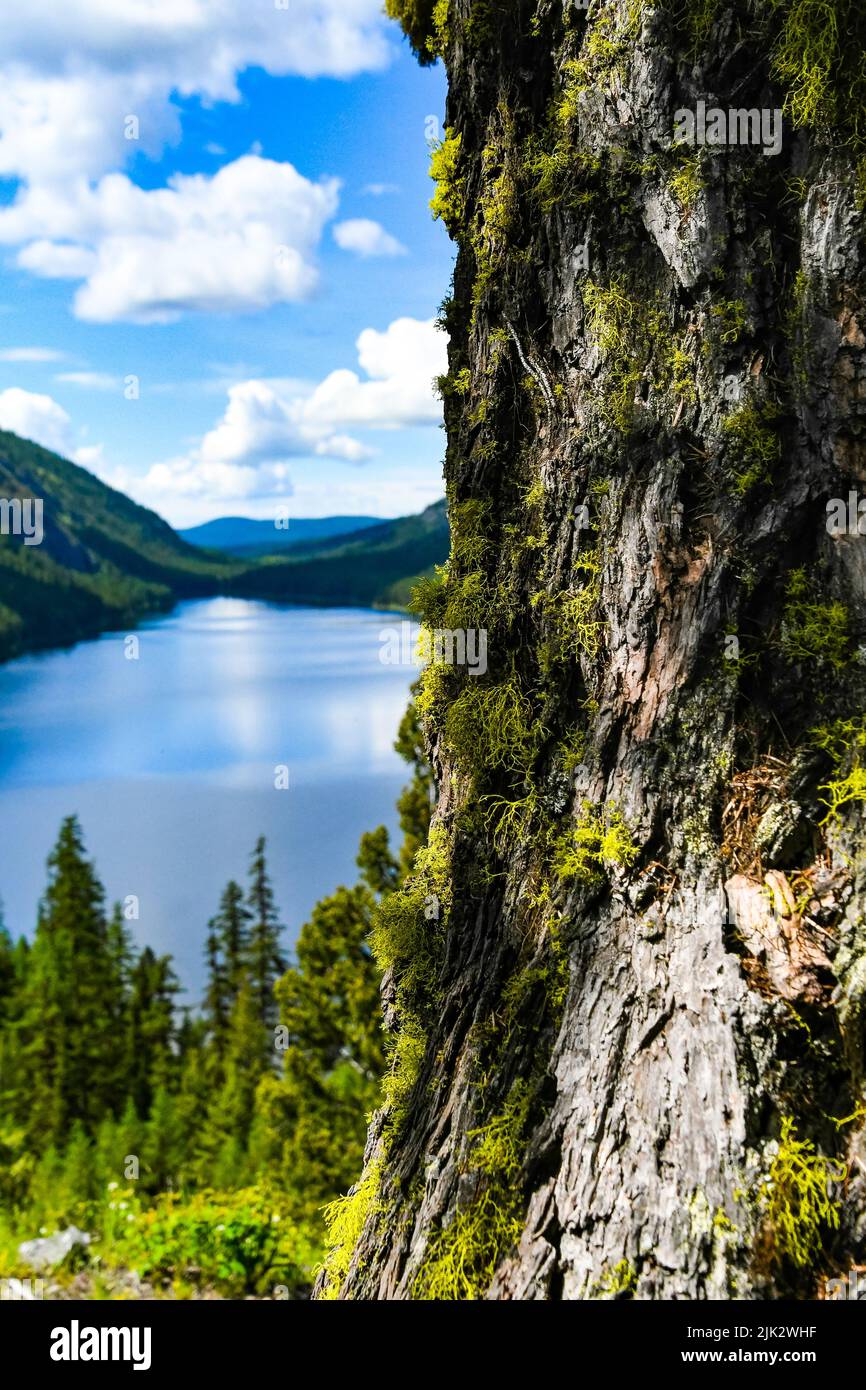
[[266, 963], [329, 1003], [152, 1028], [217, 1000], [71, 1002], [230, 927]]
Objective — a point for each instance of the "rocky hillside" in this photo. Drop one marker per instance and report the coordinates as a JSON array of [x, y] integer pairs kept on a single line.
[[625, 986]]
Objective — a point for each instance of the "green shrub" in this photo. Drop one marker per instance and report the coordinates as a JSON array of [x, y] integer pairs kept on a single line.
[[238, 1242]]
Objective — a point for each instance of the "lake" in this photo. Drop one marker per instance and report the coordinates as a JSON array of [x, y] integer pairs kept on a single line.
[[169, 761]]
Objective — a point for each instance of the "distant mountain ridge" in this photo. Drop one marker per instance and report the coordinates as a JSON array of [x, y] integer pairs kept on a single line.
[[376, 567], [243, 535], [105, 562]]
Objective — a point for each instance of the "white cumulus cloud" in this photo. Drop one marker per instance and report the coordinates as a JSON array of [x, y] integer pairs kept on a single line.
[[72, 74], [242, 239], [267, 423], [36, 417], [366, 238]]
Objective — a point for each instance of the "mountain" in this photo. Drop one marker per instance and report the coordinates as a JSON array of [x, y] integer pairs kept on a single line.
[[242, 535], [103, 563], [376, 567]]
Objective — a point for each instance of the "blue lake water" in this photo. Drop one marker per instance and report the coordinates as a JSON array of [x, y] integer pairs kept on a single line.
[[169, 761]]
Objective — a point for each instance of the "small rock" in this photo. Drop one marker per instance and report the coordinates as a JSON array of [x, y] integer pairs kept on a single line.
[[47, 1251]]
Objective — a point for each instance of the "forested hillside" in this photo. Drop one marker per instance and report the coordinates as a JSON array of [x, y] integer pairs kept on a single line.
[[378, 567], [104, 562], [625, 983]]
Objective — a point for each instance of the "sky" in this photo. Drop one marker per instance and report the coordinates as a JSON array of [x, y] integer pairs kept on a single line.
[[218, 269]]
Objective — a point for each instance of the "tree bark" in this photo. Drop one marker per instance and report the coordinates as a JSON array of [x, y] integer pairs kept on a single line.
[[645, 985]]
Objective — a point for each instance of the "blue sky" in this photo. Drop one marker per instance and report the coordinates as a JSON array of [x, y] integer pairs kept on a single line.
[[231, 311]]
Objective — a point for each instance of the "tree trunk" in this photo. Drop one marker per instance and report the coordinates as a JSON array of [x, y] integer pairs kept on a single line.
[[626, 983]]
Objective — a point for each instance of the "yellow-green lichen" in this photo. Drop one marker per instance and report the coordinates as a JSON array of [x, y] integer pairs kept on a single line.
[[599, 841], [796, 1198], [461, 1258], [814, 633]]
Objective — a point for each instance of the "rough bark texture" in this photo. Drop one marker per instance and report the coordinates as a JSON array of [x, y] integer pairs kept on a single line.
[[601, 1051]]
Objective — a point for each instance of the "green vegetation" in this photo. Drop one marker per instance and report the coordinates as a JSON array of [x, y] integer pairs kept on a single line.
[[239, 1243], [572, 628], [199, 1150], [686, 183], [609, 43], [634, 339], [819, 55], [345, 1219], [730, 319], [103, 563], [600, 840], [377, 567], [618, 1283], [491, 727], [461, 1258], [845, 742], [753, 445], [420, 20], [449, 200], [814, 633], [796, 1199]]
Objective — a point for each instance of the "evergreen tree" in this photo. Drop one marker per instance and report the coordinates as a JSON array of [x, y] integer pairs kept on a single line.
[[315, 1114], [230, 1114], [71, 1000], [152, 1028], [379, 869], [7, 969], [217, 1000], [230, 927], [266, 962]]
